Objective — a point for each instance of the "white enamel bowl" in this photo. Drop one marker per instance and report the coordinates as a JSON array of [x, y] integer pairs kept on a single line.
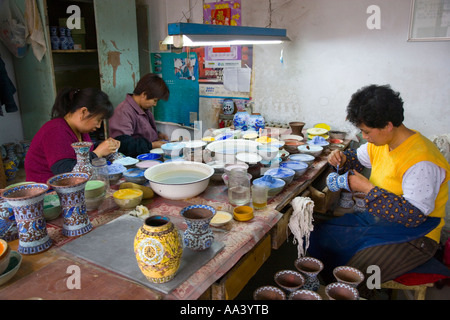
[[226, 150], [174, 185]]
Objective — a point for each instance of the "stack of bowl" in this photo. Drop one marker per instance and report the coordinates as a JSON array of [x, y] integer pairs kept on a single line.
[[9, 262]]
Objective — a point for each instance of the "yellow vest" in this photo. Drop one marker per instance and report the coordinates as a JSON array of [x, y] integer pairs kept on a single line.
[[388, 168]]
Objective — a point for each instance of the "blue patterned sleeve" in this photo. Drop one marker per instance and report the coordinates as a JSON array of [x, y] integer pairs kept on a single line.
[[352, 162], [394, 208]]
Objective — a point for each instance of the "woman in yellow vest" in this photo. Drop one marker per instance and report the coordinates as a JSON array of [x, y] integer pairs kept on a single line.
[[405, 198]]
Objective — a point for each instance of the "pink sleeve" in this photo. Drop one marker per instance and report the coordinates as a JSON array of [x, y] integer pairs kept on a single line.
[[57, 145]]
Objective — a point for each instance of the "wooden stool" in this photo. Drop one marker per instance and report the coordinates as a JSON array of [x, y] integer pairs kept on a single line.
[[419, 290]]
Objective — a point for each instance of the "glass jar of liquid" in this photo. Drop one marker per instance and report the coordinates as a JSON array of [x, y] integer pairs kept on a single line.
[[238, 187]]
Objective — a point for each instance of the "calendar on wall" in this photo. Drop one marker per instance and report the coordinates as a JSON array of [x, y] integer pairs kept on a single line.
[[430, 20]]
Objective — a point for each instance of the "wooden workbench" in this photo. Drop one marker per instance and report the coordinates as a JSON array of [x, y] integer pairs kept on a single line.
[[247, 246]]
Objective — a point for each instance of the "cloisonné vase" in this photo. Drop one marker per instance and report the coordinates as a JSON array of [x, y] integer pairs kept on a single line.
[[82, 153], [8, 226], [335, 182], [158, 249], [70, 189], [198, 235], [310, 268], [27, 202]]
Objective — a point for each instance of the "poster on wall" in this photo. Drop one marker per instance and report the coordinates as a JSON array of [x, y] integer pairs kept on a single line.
[[181, 74], [226, 13], [215, 62]]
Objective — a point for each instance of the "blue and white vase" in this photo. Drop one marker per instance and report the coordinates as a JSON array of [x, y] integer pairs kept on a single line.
[[198, 235], [310, 268], [54, 39], [70, 189], [256, 122], [335, 182], [228, 106], [64, 42], [27, 201], [8, 226], [240, 120], [69, 39]]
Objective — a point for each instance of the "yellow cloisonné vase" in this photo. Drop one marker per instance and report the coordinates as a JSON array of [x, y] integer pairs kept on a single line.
[[158, 248]]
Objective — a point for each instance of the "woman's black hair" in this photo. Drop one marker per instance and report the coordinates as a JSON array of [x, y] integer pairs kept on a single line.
[[70, 100], [375, 106], [153, 86]]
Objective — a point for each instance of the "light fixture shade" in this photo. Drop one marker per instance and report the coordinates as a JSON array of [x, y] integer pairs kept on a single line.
[[193, 34]]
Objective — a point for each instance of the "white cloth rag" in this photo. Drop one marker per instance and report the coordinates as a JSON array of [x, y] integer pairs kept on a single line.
[[301, 224], [35, 35]]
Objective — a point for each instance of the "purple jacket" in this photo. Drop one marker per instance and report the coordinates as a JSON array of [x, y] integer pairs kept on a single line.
[[130, 119]]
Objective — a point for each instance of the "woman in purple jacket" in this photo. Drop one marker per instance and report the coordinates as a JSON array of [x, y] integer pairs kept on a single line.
[[75, 113], [133, 123]]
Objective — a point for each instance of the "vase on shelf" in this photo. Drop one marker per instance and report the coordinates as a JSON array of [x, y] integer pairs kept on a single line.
[[158, 249], [63, 40], [27, 202], [69, 39], [228, 106], [82, 153], [54, 39], [198, 235], [70, 189]]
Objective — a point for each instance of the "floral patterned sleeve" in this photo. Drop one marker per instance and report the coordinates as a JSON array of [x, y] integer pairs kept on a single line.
[[352, 162], [387, 205]]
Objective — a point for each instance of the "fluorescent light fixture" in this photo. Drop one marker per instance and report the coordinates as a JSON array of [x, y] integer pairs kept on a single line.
[[192, 34]]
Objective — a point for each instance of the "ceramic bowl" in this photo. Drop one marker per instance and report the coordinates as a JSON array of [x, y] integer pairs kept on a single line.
[[115, 171], [220, 219], [243, 213], [341, 291], [348, 275], [208, 139], [283, 154], [128, 162], [248, 157], [135, 175], [250, 136], [179, 180], [128, 198], [292, 145], [194, 145], [306, 158], [52, 207], [14, 265], [219, 169], [269, 293], [95, 203], [337, 134], [225, 178], [299, 167], [231, 166], [157, 151], [289, 280], [173, 149], [94, 188], [278, 144], [275, 185], [143, 165], [226, 150], [5, 254], [303, 294], [148, 156], [291, 137], [282, 173], [318, 141], [268, 152], [317, 131], [224, 136], [312, 150]]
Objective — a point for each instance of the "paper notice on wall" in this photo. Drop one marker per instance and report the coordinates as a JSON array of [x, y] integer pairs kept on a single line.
[[237, 79]]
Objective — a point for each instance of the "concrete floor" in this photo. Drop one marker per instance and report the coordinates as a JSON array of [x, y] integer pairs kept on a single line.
[[284, 258]]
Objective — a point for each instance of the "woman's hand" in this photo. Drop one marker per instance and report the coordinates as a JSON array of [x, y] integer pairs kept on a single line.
[[358, 182], [158, 144], [107, 147], [162, 136], [336, 158]]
